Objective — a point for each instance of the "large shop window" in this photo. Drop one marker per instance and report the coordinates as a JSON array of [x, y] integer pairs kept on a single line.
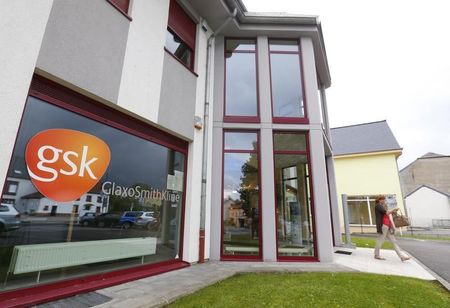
[[241, 229], [361, 209], [180, 35], [87, 203], [241, 95], [294, 210], [288, 104]]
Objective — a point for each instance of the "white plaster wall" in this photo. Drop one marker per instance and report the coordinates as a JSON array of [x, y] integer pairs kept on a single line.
[[319, 179], [210, 163], [267, 177], [194, 181], [425, 205], [22, 27], [140, 85]]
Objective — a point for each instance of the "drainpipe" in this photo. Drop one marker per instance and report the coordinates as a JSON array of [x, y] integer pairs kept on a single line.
[[201, 256]]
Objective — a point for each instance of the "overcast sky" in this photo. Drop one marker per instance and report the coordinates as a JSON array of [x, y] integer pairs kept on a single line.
[[389, 60]]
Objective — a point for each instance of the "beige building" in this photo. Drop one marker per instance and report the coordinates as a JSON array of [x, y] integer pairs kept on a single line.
[[366, 166], [431, 169]]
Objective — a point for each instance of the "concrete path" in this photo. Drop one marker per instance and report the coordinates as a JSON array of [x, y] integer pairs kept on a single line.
[[362, 260], [162, 289]]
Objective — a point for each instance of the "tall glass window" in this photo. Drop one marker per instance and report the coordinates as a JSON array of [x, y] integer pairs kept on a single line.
[[241, 207], [130, 216], [286, 80], [295, 222], [241, 97]]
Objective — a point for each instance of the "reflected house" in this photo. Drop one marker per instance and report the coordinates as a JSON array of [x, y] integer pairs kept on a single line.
[[37, 204], [220, 129]]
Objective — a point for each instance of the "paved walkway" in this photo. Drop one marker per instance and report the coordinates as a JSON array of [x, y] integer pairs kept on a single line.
[[162, 289]]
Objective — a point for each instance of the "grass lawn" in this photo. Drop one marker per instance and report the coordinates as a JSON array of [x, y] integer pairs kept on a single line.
[[368, 242], [318, 290]]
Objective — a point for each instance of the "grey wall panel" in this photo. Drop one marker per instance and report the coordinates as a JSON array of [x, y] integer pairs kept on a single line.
[[177, 99], [84, 44]]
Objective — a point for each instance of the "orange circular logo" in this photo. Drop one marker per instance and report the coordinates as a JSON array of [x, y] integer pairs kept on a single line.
[[64, 164]]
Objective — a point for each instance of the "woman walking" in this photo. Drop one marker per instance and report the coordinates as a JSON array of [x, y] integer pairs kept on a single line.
[[386, 228]]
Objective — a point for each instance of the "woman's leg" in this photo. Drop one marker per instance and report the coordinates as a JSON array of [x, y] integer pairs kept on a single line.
[[393, 240], [380, 240]]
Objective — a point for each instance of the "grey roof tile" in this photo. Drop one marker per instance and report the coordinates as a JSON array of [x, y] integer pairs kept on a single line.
[[363, 138]]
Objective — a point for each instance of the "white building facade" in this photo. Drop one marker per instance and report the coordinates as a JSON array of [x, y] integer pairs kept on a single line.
[[428, 208], [198, 112]]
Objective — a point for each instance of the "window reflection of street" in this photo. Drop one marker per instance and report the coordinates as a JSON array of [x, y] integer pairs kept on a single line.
[[241, 194], [98, 220]]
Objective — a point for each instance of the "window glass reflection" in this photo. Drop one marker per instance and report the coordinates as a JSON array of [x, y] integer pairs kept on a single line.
[[178, 48], [290, 142], [132, 216], [241, 204], [294, 218], [240, 95], [240, 45], [240, 141], [241, 209], [287, 96], [283, 45]]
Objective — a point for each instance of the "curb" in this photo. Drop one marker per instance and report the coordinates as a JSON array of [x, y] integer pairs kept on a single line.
[[441, 280]]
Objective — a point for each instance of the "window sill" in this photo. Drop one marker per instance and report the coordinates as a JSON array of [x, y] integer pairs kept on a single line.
[[120, 10], [280, 120], [241, 119], [181, 62]]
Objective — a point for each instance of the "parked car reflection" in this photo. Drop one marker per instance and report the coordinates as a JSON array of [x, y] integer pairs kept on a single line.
[[87, 219], [9, 218], [106, 220], [139, 219]]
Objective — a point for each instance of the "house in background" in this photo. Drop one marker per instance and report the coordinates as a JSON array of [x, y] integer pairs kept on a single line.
[[428, 207], [365, 159], [426, 187]]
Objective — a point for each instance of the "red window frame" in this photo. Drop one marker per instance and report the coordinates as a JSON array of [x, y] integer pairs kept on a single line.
[[55, 94], [122, 6], [238, 118], [289, 120], [223, 256], [182, 26], [314, 258]]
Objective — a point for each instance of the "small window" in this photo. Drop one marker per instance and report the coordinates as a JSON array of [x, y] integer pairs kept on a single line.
[[8, 201], [11, 187], [46, 208], [88, 198], [180, 35], [99, 199]]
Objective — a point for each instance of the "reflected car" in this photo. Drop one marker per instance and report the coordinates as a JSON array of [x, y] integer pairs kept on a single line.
[[137, 218], [147, 221], [87, 219], [106, 220], [9, 218]]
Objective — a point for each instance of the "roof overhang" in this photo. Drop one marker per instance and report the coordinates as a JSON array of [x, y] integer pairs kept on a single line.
[[397, 153], [280, 25]]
